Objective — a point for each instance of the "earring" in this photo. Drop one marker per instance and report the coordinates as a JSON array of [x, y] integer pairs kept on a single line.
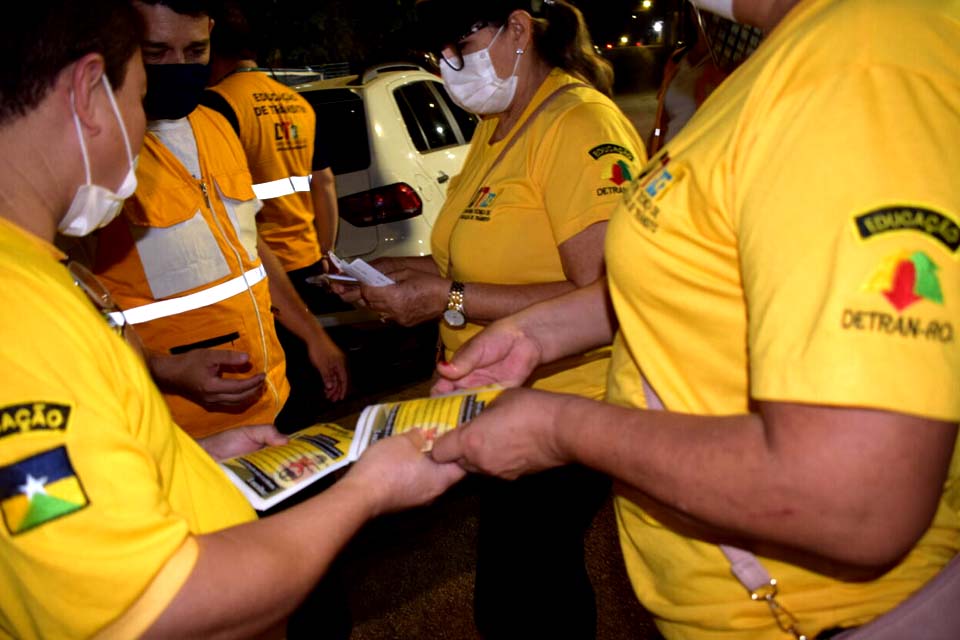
[[519, 51]]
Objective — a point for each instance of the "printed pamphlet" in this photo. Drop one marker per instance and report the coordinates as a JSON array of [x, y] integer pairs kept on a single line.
[[273, 474]]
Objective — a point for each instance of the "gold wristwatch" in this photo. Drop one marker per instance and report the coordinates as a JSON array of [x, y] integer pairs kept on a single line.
[[454, 316]]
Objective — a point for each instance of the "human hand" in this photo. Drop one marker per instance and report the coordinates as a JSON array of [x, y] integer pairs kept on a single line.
[[516, 435], [395, 474], [416, 297], [500, 354], [349, 292], [389, 265], [199, 376], [241, 440], [330, 362]]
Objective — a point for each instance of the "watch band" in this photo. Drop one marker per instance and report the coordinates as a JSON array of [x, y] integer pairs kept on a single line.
[[454, 316]]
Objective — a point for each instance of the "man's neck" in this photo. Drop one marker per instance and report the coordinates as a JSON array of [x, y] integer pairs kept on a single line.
[[221, 68], [29, 191]]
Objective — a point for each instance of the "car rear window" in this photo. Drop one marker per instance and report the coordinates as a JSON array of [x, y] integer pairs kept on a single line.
[[342, 128]]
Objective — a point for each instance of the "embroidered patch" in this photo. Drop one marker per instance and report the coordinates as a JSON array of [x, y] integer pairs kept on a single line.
[[33, 416], [606, 149], [38, 490], [653, 182], [935, 225], [620, 173], [480, 204], [905, 278], [482, 199]]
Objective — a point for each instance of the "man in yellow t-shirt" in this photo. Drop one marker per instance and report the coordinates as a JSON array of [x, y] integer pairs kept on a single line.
[[113, 522], [785, 276]]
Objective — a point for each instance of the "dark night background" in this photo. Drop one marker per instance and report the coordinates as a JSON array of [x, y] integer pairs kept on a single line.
[[293, 33]]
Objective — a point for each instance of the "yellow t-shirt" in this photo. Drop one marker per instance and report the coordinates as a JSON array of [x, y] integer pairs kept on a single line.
[[504, 226], [277, 128], [99, 490], [798, 241]]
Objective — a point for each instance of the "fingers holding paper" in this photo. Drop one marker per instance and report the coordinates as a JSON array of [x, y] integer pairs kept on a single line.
[[415, 298], [397, 474], [516, 435]]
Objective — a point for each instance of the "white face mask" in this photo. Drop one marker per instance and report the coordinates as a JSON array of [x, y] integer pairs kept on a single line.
[[723, 8], [94, 206], [476, 87]]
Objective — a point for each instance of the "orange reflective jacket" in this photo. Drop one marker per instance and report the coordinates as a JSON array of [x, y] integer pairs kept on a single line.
[[191, 244]]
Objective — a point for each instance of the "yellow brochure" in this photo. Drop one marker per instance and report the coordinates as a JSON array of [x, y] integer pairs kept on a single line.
[[272, 474]]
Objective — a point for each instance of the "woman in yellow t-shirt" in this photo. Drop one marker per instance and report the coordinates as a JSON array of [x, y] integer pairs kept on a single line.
[[523, 222]]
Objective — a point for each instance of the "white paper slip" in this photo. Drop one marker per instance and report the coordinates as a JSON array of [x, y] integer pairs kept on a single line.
[[362, 271], [339, 278]]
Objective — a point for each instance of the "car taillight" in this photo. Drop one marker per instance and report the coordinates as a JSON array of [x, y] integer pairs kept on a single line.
[[391, 203]]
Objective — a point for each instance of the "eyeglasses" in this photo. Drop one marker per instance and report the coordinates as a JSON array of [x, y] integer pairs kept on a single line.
[[452, 54], [100, 296]]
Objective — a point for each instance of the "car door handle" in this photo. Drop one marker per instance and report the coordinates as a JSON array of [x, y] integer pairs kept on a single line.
[[442, 177]]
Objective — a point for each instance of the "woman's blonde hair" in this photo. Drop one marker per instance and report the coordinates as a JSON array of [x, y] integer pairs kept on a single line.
[[562, 39]]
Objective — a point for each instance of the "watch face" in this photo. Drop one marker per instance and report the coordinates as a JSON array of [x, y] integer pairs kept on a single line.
[[454, 318]]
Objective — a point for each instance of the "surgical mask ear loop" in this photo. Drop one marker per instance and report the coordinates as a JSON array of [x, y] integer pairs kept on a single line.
[[116, 112], [83, 145]]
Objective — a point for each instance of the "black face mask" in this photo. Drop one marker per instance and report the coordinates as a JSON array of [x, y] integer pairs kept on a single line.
[[174, 90]]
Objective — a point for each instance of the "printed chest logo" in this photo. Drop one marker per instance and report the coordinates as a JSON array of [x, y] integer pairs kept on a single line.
[[904, 279], [937, 226], [480, 205], [33, 416], [645, 192], [38, 490], [286, 135]]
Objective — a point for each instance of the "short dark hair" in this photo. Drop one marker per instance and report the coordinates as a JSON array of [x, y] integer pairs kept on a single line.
[[192, 8], [232, 36], [51, 34]]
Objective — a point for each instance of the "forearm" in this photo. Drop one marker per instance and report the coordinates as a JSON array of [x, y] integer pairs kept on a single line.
[[292, 311], [283, 556], [813, 491], [484, 303], [580, 320], [166, 371], [326, 216]]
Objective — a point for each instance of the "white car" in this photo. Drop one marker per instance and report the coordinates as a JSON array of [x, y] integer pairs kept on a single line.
[[394, 139]]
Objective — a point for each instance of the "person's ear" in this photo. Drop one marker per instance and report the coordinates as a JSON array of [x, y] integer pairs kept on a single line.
[[85, 80], [210, 27], [520, 28]]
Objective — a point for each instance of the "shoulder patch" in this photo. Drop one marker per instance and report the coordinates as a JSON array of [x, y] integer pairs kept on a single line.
[[33, 416], [606, 149], [938, 226], [39, 489]]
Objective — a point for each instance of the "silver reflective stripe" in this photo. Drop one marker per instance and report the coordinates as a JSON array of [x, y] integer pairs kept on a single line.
[[205, 298], [281, 187]]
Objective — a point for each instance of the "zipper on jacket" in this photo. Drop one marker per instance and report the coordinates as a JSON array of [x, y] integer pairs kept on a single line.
[[253, 298], [206, 197]]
